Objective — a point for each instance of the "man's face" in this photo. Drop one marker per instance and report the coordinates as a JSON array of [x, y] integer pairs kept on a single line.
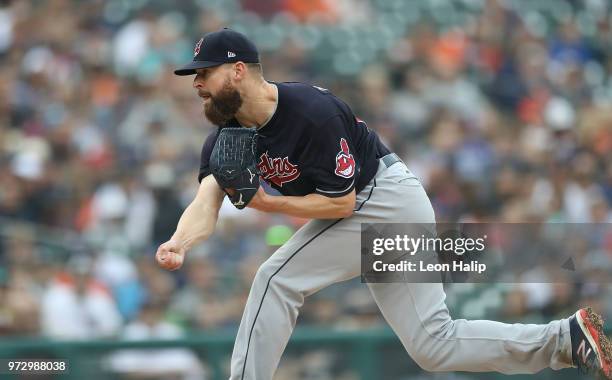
[[220, 98]]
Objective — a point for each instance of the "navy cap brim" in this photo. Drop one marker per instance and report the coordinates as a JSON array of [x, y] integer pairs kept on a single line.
[[191, 67]]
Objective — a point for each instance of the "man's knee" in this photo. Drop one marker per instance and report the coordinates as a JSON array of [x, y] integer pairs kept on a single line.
[[271, 277], [429, 360], [430, 348], [265, 272], [270, 269], [270, 281], [426, 362]]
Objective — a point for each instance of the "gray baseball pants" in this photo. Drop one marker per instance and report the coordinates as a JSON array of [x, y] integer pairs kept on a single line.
[[324, 252]]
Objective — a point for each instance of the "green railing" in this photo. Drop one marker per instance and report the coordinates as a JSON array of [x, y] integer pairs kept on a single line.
[[369, 353]]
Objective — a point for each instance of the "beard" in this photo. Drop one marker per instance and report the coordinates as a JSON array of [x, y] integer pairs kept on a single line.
[[223, 106]]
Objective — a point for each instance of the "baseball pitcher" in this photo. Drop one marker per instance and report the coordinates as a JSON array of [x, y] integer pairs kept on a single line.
[[307, 144]]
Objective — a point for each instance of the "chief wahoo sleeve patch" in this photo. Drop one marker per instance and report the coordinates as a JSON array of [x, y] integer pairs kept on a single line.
[[345, 163]]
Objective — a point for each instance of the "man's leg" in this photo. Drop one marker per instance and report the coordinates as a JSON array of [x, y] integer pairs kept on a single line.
[[315, 257], [319, 254], [418, 315], [325, 252]]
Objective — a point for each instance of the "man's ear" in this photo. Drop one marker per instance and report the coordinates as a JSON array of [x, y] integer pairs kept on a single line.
[[239, 71]]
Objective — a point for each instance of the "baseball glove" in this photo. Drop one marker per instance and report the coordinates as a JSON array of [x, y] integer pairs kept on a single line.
[[233, 163]]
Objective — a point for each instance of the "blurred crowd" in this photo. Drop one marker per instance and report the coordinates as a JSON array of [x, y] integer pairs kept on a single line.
[[502, 108]]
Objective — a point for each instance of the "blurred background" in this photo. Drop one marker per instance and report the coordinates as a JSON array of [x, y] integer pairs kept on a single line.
[[502, 108]]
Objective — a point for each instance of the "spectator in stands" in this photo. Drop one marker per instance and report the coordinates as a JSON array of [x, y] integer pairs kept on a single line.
[[76, 306], [166, 363]]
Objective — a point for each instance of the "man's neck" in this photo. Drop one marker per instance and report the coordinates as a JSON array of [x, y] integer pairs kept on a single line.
[[258, 105]]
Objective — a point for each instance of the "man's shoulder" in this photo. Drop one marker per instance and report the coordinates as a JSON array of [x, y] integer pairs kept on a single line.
[[314, 103], [303, 91]]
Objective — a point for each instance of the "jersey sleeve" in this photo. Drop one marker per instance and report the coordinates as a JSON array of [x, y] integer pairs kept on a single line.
[[207, 148], [336, 168]]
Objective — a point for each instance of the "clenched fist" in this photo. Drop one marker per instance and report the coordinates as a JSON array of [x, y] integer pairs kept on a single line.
[[170, 255]]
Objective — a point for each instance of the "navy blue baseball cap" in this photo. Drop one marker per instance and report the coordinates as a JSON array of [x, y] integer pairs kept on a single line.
[[217, 48]]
